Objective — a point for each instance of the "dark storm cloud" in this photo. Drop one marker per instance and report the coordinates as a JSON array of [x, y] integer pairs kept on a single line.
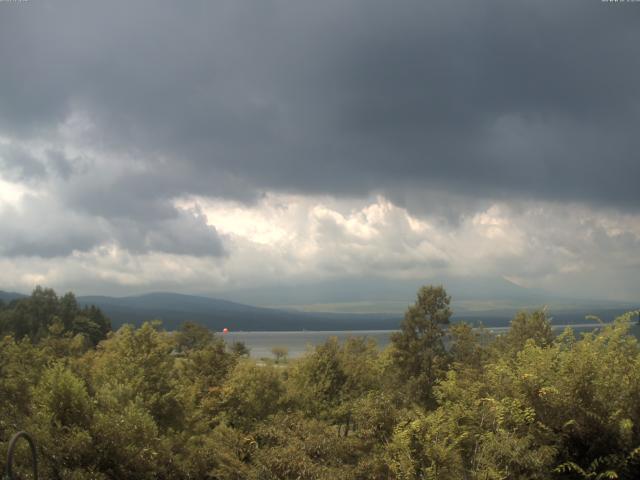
[[60, 165], [43, 227], [19, 165], [489, 99], [183, 233]]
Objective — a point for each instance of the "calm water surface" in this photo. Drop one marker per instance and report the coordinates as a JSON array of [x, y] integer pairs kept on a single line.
[[261, 343]]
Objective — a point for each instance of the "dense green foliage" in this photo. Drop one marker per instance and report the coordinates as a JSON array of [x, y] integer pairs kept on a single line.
[[146, 403], [44, 313]]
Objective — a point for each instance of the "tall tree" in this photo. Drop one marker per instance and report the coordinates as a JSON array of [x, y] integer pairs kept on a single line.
[[526, 326], [419, 352]]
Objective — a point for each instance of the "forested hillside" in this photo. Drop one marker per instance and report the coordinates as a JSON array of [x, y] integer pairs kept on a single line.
[[145, 403]]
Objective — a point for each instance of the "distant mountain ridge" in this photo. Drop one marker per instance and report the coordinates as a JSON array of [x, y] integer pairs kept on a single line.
[[10, 296], [173, 309]]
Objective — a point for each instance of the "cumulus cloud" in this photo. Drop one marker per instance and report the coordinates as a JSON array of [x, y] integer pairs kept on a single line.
[[298, 238], [290, 240]]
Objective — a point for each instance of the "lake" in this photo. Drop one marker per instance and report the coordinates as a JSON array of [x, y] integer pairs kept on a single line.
[[299, 342]]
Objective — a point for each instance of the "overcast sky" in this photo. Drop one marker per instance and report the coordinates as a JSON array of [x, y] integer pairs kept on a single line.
[[210, 146]]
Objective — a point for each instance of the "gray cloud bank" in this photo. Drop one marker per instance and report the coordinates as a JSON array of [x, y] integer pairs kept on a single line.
[[111, 111], [229, 98]]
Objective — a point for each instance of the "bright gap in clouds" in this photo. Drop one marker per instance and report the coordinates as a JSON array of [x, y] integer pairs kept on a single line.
[[11, 193], [309, 230]]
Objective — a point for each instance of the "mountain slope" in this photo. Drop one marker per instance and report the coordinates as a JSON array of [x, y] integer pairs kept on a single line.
[[174, 309], [9, 296]]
